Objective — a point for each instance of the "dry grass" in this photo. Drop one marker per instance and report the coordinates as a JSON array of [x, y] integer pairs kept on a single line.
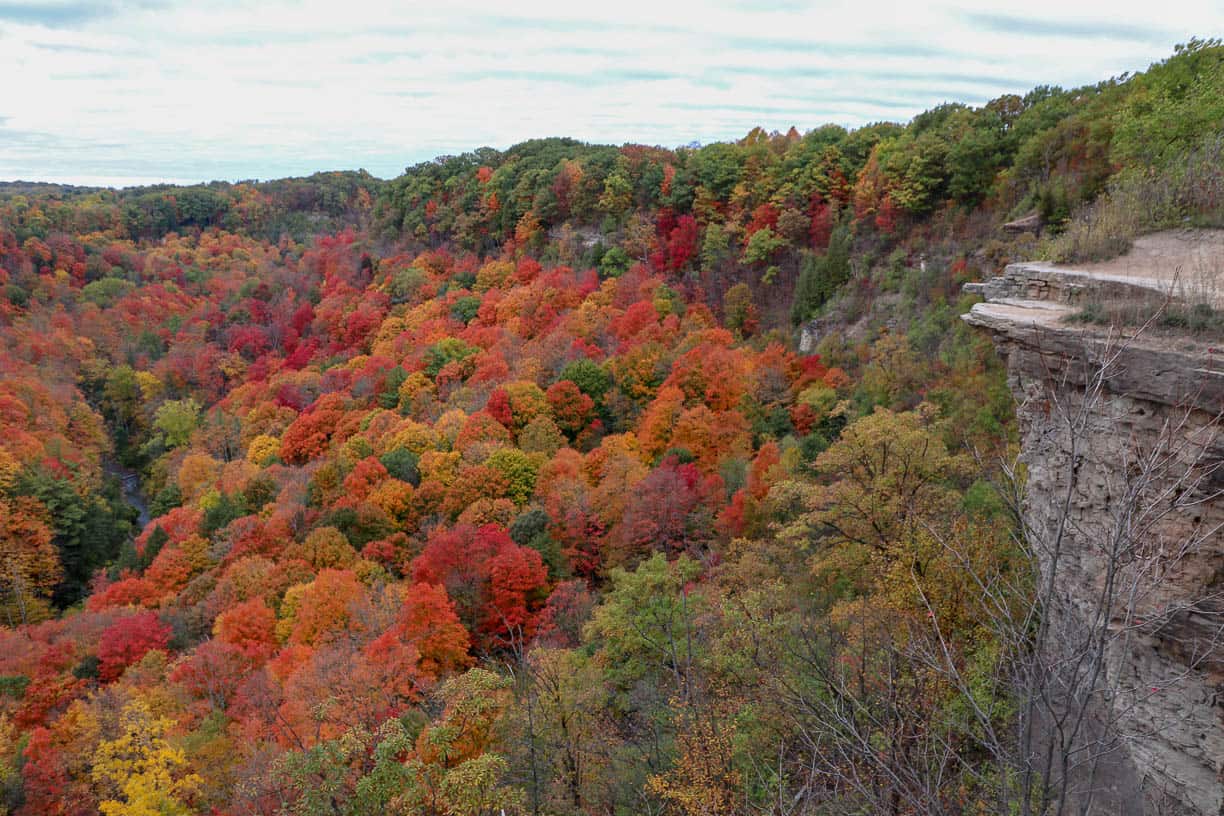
[[1200, 319], [1189, 193]]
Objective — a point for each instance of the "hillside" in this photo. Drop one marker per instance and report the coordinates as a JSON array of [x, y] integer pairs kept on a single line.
[[504, 486]]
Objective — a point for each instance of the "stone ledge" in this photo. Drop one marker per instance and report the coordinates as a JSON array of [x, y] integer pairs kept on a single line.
[[1152, 383]]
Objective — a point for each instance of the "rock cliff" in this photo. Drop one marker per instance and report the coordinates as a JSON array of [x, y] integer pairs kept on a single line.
[[1124, 504]]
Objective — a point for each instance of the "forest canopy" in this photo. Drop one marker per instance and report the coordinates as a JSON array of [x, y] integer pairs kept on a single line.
[[507, 484]]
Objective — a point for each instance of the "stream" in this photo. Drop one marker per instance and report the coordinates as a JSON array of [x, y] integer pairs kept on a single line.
[[130, 481]]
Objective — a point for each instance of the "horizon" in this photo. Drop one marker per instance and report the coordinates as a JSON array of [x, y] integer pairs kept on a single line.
[[750, 472], [157, 91]]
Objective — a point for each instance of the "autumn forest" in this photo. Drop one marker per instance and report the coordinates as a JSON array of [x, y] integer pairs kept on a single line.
[[562, 479]]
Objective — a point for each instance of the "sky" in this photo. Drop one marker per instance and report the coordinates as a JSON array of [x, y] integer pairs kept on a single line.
[[122, 92]]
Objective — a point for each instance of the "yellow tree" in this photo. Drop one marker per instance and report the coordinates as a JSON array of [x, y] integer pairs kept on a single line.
[[10, 776], [147, 774], [703, 780], [29, 566], [893, 472], [896, 371]]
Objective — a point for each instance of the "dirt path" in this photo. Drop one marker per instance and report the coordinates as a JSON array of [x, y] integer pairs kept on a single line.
[[1186, 263]]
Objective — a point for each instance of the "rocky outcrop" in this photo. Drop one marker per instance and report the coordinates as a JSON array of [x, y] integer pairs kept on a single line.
[[1048, 283], [1029, 223], [1121, 438]]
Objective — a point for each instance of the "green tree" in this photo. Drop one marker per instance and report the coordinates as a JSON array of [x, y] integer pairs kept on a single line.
[[821, 276], [739, 312], [975, 158], [617, 195], [893, 473], [1172, 107], [402, 464], [591, 378], [646, 625], [447, 769], [717, 167], [763, 245], [444, 351], [122, 403], [520, 470], [916, 168], [89, 528], [614, 263], [319, 778], [176, 419], [715, 247]]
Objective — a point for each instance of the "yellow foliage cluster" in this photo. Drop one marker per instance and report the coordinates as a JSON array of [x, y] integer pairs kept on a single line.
[[196, 474], [439, 467], [393, 497], [493, 275], [415, 386], [324, 547], [9, 468], [414, 436], [450, 424], [145, 773], [263, 450], [703, 781]]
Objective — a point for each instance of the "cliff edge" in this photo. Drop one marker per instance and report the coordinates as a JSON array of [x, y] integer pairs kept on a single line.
[[1124, 509]]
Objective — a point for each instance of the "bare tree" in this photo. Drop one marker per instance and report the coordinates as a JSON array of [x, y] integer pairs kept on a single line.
[[1123, 507], [1103, 625]]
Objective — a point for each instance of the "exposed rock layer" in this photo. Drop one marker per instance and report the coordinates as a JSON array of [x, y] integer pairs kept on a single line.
[[1120, 437]]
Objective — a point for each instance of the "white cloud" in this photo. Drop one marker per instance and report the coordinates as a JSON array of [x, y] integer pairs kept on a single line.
[[140, 91]]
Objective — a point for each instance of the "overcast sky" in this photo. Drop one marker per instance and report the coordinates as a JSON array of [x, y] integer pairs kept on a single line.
[[126, 92]]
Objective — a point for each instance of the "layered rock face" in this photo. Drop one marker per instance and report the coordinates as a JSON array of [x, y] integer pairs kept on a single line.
[[1123, 444]]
